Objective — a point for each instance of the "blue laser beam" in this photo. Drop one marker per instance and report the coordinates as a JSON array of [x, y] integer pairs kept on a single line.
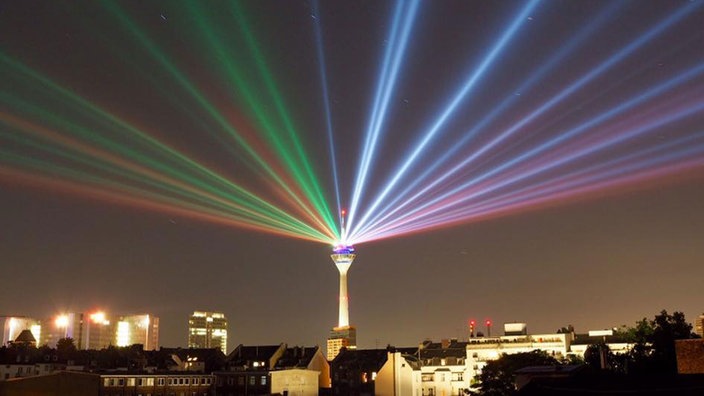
[[648, 95], [572, 44], [452, 105], [387, 81]]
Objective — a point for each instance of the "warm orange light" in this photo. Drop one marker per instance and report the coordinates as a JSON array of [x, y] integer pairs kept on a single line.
[[98, 317], [61, 321]]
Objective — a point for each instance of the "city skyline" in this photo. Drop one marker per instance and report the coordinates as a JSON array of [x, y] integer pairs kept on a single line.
[[621, 244]]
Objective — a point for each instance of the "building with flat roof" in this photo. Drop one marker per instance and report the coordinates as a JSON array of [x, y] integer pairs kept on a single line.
[[138, 329], [207, 330]]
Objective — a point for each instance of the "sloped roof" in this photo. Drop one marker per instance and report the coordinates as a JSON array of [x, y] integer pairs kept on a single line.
[[25, 337], [299, 357], [455, 348], [243, 354], [364, 359]]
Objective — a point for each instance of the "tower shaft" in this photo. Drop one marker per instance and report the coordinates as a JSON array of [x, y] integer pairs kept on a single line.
[[344, 313], [343, 261]]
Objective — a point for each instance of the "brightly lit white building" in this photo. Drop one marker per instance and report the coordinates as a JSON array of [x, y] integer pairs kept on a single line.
[[443, 367], [401, 376], [138, 329], [481, 350], [613, 341], [12, 326], [207, 330]]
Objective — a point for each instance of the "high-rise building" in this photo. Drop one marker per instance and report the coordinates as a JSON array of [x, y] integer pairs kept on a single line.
[[98, 331], [138, 329], [699, 325], [12, 326], [343, 335], [207, 330], [65, 325]]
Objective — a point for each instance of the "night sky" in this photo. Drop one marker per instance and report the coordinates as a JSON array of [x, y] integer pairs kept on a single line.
[[554, 235]]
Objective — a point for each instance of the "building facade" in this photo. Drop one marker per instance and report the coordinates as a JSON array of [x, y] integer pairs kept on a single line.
[[341, 337], [138, 329], [12, 326], [207, 330]]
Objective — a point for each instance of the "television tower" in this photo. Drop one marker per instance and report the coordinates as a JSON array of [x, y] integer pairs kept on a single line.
[[343, 335], [343, 256]]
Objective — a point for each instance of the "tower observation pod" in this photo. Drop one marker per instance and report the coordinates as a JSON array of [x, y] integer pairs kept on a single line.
[[343, 256]]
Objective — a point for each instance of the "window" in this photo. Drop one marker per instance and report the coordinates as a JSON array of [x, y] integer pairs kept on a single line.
[[120, 382], [252, 380], [262, 380], [160, 381], [195, 381]]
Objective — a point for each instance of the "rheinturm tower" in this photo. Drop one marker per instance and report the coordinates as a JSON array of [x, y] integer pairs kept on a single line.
[[343, 335]]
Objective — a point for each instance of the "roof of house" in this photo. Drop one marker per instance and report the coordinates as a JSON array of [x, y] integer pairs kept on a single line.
[[26, 337], [296, 357], [361, 359], [454, 348]]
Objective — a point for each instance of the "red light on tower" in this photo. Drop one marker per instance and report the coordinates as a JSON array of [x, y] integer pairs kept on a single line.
[[488, 328], [472, 323]]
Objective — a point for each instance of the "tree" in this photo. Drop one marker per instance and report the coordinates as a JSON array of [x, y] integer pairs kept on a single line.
[[653, 344], [667, 329], [593, 355], [65, 348], [497, 377]]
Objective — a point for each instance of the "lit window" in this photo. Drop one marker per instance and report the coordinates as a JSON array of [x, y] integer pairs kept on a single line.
[[262, 380]]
